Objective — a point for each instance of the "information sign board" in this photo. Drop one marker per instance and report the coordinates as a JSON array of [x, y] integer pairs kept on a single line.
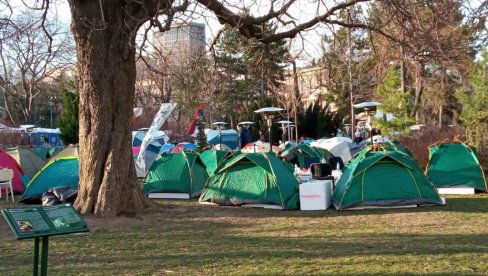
[[44, 221]]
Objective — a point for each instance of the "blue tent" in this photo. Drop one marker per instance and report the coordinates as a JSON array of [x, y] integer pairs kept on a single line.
[[62, 172], [166, 148], [159, 139], [229, 137]]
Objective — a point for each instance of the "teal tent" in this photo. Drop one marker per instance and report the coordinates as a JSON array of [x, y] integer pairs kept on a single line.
[[59, 172], [54, 150], [455, 165], [43, 152], [253, 178], [182, 172], [212, 159], [381, 176]]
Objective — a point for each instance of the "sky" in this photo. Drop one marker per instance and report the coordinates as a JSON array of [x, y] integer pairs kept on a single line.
[[305, 47]]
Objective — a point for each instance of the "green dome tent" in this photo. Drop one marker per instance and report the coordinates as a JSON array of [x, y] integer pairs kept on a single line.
[[182, 172], [253, 178], [455, 165], [212, 158], [59, 172], [306, 153], [380, 176]]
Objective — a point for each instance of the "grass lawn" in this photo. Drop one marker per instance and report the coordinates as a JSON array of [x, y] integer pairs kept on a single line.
[[191, 239]]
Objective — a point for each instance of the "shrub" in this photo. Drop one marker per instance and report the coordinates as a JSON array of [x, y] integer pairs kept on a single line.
[[419, 142]]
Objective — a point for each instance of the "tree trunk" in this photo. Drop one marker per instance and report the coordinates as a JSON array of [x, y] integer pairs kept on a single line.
[[418, 94], [7, 109], [106, 68], [441, 110], [349, 71], [403, 71], [296, 93], [442, 96]]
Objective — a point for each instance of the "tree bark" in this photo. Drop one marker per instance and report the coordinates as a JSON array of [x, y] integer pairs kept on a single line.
[[443, 93], [349, 72], [403, 71], [418, 93], [106, 68], [441, 111], [296, 93]]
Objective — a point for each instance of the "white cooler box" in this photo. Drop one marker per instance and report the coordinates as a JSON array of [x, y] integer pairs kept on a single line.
[[315, 195]]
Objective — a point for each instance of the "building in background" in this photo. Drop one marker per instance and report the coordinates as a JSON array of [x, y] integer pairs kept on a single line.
[[311, 85], [180, 42]]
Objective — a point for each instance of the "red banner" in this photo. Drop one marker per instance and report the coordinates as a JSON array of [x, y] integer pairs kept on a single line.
[[198, 113]]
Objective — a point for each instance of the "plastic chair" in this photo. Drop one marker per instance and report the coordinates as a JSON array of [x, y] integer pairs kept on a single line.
[[6, 176]]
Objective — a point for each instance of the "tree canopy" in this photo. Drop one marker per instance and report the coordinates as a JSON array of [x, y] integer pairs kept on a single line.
[[432, 34]]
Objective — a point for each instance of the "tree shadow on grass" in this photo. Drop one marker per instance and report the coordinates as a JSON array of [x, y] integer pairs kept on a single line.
[[191, 246], [188, 245]]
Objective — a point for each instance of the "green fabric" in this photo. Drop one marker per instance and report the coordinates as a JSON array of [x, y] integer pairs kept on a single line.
[[452, 165], [260, 178], [41, 151], [212, 159], [182, 172], [55, 150], [383, 178]]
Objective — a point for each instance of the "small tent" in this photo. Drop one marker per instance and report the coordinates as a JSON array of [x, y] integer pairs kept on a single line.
[[212, 159], [183, 146], [71, 150], [455, 165], [149, 155], [381, 176], [338, 146], [253, 178], [160, 138], [59, 172], [54, 150], [166, 148], [28, 160], [180, 173], [227, 136], [19, 180], [42, 152]]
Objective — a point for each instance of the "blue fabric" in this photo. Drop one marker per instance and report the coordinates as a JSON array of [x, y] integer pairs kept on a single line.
[[229, 137], [166, 148], [60, 173]]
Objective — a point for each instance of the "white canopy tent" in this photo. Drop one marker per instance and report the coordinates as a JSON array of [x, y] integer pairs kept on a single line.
[[338, 146]]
